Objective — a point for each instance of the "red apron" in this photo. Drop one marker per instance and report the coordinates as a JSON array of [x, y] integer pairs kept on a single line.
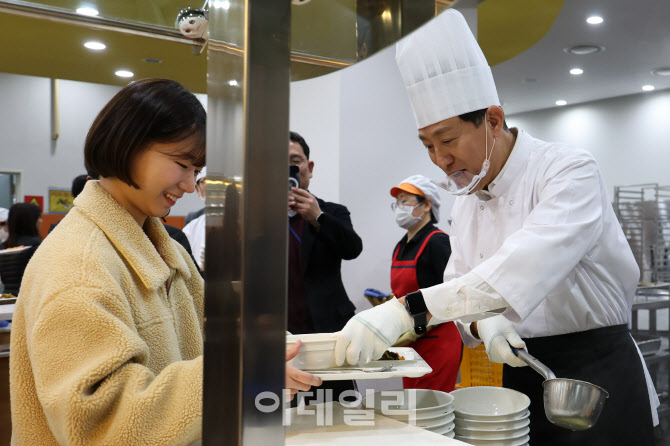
[[441, 346]]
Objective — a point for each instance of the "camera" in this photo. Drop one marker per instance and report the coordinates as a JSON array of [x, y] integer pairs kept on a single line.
[[293, 181], [293, 177], [193, 23]]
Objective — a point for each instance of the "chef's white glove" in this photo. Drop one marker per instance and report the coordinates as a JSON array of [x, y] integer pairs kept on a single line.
[[498, 334], [368, 334]]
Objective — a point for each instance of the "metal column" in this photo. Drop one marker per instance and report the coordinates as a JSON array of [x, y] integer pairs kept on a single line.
[[381, 23], [247, 223]]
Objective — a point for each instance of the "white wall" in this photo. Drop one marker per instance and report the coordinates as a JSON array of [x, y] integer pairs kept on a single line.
[[362, 115], [379, 148], [25, 124], [315, 115], [26, 128], [627, 135]]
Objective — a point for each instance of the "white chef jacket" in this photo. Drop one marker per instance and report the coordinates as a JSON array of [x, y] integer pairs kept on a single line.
[[195, 232], [547, 241]]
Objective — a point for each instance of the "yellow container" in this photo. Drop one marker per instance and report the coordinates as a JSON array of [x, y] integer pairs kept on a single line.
[[477, 370]]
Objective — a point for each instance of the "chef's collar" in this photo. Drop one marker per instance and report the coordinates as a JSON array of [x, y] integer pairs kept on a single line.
[[150, 251], [509, 171]]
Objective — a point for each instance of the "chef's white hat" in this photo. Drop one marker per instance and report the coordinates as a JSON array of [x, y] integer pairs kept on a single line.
[[420, 185], [444, 70]]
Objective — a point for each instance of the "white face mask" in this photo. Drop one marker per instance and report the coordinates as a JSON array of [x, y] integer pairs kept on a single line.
[[4, 235], [404, 217], [463, 182]]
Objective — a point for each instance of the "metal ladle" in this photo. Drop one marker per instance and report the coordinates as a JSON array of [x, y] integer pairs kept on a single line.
[[568, 403]]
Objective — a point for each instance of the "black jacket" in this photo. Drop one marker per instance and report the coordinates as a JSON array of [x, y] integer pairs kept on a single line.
[[322, 255], [12, 265]]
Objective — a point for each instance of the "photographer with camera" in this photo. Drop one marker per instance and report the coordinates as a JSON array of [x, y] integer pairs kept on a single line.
[[320, 237]]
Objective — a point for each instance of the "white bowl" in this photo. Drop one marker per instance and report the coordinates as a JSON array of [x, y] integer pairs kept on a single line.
[[316, 353], [426, 423], [489, 403], [432, 423], [450, 434], [515, 442], [408, 403], [443, 430], [488, 435], [423, 419], [493, 426]]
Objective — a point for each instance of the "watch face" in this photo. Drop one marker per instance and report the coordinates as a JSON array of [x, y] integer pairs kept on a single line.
[[415, 303]]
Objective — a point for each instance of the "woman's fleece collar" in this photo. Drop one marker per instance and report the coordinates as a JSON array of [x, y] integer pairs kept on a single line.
[[152, 254]]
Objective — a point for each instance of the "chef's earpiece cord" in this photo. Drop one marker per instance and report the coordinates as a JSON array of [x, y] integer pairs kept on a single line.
[[486, 144]]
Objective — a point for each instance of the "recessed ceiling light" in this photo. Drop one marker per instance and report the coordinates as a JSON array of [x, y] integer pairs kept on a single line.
[[87, 11], [647, 87], [561, 102], [97, 46], [232, 83], [152, 60], [124, 73], [582, 50], [662, 71], [576, 71], [223, 4], [594, 20]]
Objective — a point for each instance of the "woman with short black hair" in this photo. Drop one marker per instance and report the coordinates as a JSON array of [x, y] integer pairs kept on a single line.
[[107, 336], [23, 225], [107, 342]]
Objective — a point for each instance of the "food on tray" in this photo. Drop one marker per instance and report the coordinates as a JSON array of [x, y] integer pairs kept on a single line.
[[391, 356], [7, 296], [16, 247]]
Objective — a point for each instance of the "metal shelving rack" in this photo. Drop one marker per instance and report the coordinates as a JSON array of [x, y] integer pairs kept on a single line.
[[644, 213]]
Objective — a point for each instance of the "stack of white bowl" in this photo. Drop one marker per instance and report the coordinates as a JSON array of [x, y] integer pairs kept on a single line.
[[487, 416], [429, 409]]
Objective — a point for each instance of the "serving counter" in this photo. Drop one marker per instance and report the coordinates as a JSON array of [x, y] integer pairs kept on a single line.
[[332, 424]]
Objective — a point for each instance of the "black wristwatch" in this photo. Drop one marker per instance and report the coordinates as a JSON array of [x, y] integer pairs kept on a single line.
[[416, 307]]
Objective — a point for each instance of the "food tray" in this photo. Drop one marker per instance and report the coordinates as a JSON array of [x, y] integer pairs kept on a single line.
[[413, 366]]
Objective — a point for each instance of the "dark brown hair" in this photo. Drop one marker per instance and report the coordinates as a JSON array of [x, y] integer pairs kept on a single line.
[[295, 137], [22, 221], [477, 117], [144, 112]]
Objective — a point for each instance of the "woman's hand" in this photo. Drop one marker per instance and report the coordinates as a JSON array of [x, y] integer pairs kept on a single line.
[[297, 380]]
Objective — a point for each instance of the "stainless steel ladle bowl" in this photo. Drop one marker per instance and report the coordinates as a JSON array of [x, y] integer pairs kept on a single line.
[[568, 403]]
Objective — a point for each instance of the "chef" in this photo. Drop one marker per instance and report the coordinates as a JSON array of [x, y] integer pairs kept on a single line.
[[533, 237]]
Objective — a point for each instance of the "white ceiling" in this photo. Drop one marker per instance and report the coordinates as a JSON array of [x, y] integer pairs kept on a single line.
[[636, 38]]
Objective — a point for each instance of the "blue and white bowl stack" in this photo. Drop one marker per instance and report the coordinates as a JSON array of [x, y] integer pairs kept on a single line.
[[488, 416]]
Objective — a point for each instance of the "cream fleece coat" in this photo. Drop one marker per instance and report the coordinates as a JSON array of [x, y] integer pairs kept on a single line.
[[106, 344]]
